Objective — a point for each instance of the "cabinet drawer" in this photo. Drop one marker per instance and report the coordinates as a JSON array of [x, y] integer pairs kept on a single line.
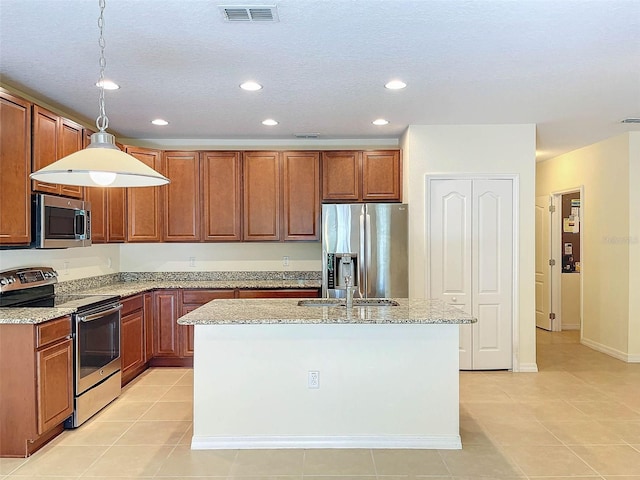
[[131, 304], [200, 297], [52, 331]]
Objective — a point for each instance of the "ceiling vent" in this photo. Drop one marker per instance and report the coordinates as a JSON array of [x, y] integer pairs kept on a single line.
[[253, 13], [306, 135], [631, 120]]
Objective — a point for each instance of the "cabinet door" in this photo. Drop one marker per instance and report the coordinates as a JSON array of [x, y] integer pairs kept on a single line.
[[186, 333], [221, 185], [70, 141], [116, 214], [181, 198], [132, 344], [261, 184], [341, 176], [381, 176], [98, 198], [165, 326], [143, 203], [301, 205], [54, 384], [45, 145], [15, 167]]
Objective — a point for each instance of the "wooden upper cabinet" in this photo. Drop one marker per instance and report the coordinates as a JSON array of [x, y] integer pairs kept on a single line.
[[341, 176], [381, 176], [301, 201], [222, 196], [45, 145], [369, 176], [261, 188], [181, 198], [71, 141], [54, 137], [15, 167], [144, 210]]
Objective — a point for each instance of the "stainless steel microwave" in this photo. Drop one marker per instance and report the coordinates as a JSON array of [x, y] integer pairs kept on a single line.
[[60, 222]]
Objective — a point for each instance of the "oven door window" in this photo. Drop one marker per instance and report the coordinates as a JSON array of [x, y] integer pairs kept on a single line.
[[98, 349]]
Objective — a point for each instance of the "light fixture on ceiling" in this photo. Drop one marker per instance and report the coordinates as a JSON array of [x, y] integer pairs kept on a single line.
[[107, 84], [269, 122], [101, 163], [380, 122], [395, 85], [251, 86], [160, 122]]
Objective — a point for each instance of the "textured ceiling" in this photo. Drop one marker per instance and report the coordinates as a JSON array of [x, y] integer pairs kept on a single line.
[[570, 67]]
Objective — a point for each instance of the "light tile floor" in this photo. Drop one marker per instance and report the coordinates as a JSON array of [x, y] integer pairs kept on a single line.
[[578, 417]]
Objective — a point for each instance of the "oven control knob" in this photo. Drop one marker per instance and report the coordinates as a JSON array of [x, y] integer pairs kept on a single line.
[[4, 281], [12, 279]]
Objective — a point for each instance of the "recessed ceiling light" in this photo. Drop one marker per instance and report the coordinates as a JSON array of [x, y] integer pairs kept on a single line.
[[159, 121], [380, 121], [269, 122], [395, 85], [108, 85], [250, 86]]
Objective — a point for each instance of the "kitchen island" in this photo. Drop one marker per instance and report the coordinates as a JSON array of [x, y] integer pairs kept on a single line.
[[273, 374]]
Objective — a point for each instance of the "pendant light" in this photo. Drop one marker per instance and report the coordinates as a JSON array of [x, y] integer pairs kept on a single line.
[[102, 163]]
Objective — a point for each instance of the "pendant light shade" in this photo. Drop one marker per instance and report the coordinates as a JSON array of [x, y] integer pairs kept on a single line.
[[101, 163]]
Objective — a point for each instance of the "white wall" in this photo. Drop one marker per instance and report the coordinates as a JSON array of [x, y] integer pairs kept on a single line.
[[610, 261], [71, 263], [476, 149], [175, 257]]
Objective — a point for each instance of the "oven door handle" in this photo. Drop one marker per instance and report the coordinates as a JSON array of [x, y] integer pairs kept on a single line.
[[88, 318]]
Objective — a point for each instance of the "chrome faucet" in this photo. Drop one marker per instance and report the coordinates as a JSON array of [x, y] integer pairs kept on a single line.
[[350, 290]]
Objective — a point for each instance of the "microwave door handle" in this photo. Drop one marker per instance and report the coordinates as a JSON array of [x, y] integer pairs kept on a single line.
[[79, 227], [88, 318]]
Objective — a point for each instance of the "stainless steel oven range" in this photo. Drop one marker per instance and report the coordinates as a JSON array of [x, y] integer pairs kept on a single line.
[[95, 329]]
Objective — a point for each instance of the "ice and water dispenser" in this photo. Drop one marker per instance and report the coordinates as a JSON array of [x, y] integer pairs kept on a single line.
[[339, 266]]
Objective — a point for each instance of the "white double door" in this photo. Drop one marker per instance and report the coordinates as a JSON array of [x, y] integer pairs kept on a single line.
[[470, 263]]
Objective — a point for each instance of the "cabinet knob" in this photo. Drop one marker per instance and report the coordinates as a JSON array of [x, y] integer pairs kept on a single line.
[[454, 299]]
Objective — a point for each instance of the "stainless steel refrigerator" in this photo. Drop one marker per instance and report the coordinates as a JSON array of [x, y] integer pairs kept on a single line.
[[368, 243]]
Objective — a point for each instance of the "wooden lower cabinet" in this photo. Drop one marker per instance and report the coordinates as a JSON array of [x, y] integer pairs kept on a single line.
[[37, 363], [280, 293], [133, 356]]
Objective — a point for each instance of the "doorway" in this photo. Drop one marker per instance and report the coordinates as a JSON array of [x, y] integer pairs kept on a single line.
[[559, 260]]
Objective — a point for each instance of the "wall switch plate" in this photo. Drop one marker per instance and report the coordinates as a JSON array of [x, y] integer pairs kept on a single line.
[[313, 379]]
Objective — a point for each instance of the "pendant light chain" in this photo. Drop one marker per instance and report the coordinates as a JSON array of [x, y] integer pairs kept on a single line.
[[102, 122]]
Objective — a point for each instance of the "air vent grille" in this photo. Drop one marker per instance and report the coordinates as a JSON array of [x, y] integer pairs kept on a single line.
[[631, 120], [254, 13]]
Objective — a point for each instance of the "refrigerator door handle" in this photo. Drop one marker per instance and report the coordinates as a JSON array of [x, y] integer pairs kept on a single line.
[[361, 260], [369, 241]]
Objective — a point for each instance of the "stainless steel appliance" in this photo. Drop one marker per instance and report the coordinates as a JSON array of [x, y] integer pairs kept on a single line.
[[95, 330], [365, 244], [60, 222]]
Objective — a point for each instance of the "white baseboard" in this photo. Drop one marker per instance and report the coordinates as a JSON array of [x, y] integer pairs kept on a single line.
[[625, 357], [439, 442], [528, 368], [570, 326]]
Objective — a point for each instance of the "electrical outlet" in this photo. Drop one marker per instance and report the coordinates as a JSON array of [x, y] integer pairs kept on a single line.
[[285, 261], [192, 261], [313, 379]]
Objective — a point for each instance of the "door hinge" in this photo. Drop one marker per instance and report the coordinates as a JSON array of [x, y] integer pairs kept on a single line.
[[552, 262], [552, 208], [552, 316]]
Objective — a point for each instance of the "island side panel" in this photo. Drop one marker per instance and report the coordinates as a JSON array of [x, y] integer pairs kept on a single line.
[[381, 386]]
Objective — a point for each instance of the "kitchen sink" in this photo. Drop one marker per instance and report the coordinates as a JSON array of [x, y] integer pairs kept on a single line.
[[341, 302]]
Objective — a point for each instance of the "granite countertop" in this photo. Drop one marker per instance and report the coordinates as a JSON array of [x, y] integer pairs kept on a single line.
[[127, 288], [287, 311]]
